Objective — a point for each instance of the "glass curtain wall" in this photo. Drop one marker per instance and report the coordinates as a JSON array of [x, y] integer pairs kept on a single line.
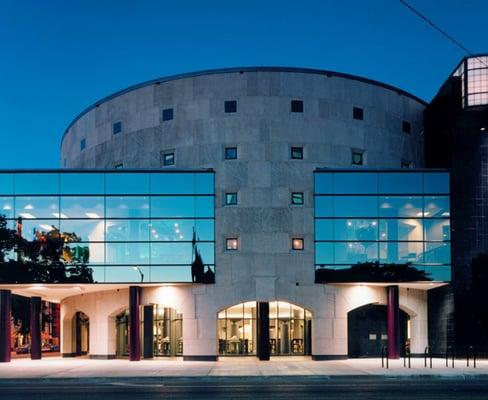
[[114, 226], [474, 80], [382, 226]]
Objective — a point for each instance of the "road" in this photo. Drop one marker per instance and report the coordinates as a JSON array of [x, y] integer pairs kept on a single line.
[[343, 389]]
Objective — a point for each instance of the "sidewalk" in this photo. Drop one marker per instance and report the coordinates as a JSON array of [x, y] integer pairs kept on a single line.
[[68, 368]]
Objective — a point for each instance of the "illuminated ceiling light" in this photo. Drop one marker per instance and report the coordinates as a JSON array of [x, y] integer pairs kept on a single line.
[[156, 236], [383, 235], [446, 214], [177, 230], [153, 231], [482, 129], [426, 214], [373, 223], [27, 215], [92, 215], [29, 207], [176, 225], [46, 227], [349, 223], [60, 215], [181, 236], [7, 207]]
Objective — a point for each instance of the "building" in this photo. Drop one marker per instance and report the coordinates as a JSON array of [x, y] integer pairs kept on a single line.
[[301, 194]]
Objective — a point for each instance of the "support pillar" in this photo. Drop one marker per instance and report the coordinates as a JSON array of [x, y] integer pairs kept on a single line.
[[263, 331], [134, 323], [35, 328], [5, 325], [393, 322], [149, 331]]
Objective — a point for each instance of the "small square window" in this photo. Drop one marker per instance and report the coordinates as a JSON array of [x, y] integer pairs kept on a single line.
[[167, 114], [230, 199], [406, 164], [231, 244], [169, 159], [357, 113], [82, 144], [117, 127], [230, 106], [296, 106], [231, 153], [119, 166], [297, 244], [406, 127], [297, 198], [357, 157], [297, 153]]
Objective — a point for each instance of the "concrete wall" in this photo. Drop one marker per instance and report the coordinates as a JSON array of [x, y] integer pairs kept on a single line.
[[263, 129]]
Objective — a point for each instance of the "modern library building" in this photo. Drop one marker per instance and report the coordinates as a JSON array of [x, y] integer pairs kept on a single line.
[[251, 212]]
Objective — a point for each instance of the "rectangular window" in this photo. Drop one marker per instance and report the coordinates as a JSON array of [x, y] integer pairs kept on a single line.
[[82, 144], [167, 114], [119, 166], [297, 153], [357, 157], [168, 159], [297, 244], [358, 113], [297, 198], [231, 153], [296, 106], [117, 127], [406, 127], [230, 199], [231, 244], [230, 106]]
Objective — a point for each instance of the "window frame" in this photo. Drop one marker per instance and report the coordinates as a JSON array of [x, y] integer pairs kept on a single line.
[[295, 241], [300, 194], [227, 151], [169, 154], [360, 153], [230, 195], [229, 241], [296, 106], [230, 106], [116, 127], [164, 114], [358, 113], [298, 149]]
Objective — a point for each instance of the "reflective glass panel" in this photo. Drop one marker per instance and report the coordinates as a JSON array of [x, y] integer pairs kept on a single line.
[[204, 184], [437, 253], [437, 229], [37, 207], [436, 182], [127, 274], [127, 207], [356, 229], [82, 207], [82, 183], [324, 206], [324, 229], [205, 206], [436, 207], [324, 183], [171, 274], [36, 229], [173, 206], [127, 183], [127, 253], [401, 206], [37, 183], [355, 183], [401, 229], [397, 182], [324, 253], [172, 253], [355, 252], [401, 252], [205, 229], [173, 183], [87, 230], [439, 273], [98, 274], [127, 230], [6, 183], [356, 206], [85, 253], [7, 206]]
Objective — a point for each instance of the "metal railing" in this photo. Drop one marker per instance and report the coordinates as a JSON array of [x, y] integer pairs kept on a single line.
[[450, 350], [384, 352], [471, 352], [407, 356], [427, 353]]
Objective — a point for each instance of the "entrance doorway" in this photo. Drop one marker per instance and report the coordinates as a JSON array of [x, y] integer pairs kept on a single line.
[[367, 331], [290, 329], [81, 337]]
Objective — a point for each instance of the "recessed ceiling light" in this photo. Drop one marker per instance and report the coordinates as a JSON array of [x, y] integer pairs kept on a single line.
[[92, 215]]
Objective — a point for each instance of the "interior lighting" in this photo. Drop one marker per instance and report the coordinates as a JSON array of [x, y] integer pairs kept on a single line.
[[27, 215], [60, 215], [29, 207]]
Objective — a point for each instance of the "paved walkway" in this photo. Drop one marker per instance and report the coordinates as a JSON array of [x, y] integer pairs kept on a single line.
[[54, 367]]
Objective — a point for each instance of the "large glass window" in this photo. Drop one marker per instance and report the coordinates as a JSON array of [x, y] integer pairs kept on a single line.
[[117, 226], [381, 226]]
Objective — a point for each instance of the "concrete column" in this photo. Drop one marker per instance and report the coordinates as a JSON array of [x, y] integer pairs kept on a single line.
[[5, 324], [35, 328], [134, 323], [148, 331], [263, 331], [393, 322]]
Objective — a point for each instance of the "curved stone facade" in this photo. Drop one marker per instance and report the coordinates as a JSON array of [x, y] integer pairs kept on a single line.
[[264, 175]]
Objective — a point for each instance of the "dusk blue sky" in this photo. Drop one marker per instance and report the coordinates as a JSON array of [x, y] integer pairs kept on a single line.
[[59, 57]]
